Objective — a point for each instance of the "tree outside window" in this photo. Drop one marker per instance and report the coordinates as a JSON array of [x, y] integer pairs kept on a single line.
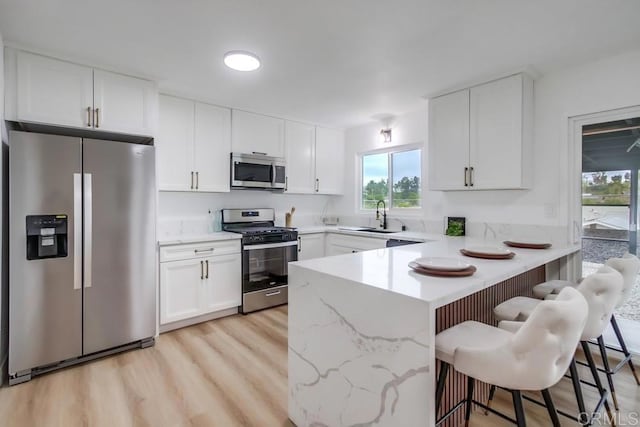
[[394, 177]]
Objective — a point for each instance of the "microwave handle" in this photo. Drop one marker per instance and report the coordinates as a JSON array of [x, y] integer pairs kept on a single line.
[[273, 174]]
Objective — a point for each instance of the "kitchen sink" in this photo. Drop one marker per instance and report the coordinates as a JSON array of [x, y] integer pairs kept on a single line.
[[368, 230]]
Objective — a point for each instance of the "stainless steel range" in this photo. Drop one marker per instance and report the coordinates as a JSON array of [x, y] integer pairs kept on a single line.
[[266, 253]]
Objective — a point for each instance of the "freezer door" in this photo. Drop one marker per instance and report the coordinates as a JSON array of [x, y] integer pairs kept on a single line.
[[45, 295], [119, 250]]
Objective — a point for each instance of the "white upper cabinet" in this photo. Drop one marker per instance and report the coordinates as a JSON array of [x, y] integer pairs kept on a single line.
[[60, 93], [449, 141], [499, 136], [257, 134], [51, 91], [193, 146], [481, 138], [174, 144], [212, 147], [329, 161], [300, 158], [124, 104]]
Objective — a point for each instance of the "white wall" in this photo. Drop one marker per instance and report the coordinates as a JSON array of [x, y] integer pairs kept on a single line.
[[600, 85], [193, 207]]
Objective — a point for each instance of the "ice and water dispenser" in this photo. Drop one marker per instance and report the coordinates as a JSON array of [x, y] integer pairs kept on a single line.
[[46, 236]]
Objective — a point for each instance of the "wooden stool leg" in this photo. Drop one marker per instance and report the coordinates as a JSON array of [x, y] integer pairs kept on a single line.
[[442, 379], [596, 377], [623, 346], [577, 388], [553, 414], [467, 415], [607, 368], [492, 392], [519, 409]]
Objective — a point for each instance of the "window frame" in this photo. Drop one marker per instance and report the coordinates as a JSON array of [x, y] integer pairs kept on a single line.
[[411, 211]]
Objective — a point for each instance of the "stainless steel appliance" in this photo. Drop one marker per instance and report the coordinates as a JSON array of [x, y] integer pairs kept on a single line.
[[391, 243], [266, 253], [82, 250], [257, 171]]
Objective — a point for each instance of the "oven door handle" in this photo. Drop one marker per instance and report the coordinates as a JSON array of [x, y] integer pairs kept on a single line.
[[270, 245]]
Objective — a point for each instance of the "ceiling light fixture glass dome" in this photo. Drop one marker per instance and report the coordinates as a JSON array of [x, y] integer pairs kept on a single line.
[[240, 60]]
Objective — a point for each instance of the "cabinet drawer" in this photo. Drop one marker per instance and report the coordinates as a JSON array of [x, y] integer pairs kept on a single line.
[[199, 250]]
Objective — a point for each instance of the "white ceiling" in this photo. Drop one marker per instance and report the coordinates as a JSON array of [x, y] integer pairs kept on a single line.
[[336, 62]]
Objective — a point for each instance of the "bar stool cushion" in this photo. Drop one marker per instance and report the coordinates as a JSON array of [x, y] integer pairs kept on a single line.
[[601, 291], [551, 287], [516, 309], [538, 354], [628, 266], [469, 334]]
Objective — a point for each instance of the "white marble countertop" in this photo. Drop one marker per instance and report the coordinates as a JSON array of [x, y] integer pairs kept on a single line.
[[182, 239], [388, 268], [402, 235], [197, 238]]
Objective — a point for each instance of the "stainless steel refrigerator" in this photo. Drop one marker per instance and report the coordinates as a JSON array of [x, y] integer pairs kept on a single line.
[[82, 250]]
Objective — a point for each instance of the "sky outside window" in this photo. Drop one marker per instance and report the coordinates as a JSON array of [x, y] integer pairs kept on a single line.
[[404, 185]]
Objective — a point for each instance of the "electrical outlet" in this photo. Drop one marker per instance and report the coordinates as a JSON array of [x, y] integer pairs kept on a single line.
[[330, 220], [550, 210]]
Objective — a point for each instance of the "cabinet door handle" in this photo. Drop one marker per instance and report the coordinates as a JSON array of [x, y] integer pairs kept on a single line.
[[97, 114], [197, 179], [192, 180], [207, 265], [89, 116], [471, 176], [466, 172], [197, 251], [201, 270], [317, 184], [299, 244]]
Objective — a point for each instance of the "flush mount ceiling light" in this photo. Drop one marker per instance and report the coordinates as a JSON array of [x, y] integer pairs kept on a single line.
[[241, 61]]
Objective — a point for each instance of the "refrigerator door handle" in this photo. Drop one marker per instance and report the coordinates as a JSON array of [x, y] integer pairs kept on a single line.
[[77, 231], [88, 228]]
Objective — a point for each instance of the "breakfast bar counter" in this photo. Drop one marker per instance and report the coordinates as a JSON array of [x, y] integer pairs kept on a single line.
[[362, 328]]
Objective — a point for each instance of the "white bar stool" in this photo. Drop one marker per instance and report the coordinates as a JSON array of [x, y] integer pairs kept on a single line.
[[602, 291], [533, 358], [629, 267]]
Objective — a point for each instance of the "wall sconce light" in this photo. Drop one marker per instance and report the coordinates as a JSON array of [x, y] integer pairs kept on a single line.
[[386, 135]]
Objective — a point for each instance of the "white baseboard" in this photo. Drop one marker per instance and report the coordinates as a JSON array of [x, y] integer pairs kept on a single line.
[[199, 319]]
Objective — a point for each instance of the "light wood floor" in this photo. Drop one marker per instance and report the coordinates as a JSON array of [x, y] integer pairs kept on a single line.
[[226, 372]]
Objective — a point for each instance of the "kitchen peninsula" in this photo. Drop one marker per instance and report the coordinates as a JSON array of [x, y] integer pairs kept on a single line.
[[362, 328]]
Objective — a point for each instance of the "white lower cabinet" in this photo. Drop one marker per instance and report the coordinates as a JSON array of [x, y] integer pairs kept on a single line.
[[310, 246], [199, 279], [222, 288], [180, 289], [339, 244]]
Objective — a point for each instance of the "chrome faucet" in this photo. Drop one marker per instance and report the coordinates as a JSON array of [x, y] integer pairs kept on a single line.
[[383, 224]]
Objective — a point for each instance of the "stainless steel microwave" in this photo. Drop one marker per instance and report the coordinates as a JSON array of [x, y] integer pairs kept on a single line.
[[257, 171]]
